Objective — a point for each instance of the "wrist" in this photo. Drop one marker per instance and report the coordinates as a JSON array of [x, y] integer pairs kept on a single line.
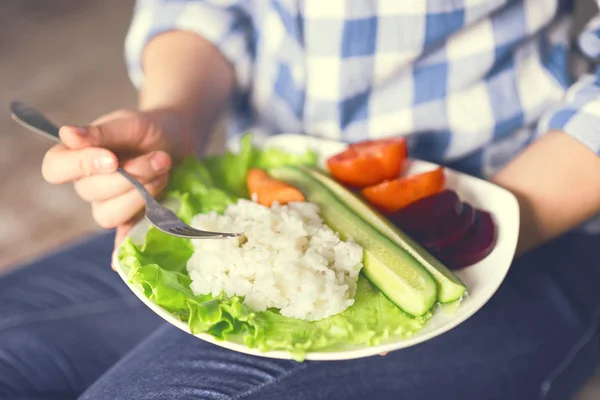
[[179, 137], [557, 184]]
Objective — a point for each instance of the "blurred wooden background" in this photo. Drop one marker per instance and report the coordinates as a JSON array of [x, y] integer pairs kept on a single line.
[[66, 58]]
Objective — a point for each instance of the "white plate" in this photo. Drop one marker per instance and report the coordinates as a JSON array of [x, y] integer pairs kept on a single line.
[[482, 279]]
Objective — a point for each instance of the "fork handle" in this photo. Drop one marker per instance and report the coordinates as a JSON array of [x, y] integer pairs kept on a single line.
[[145, 194]]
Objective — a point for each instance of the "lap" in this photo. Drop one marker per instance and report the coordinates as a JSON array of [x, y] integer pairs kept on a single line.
[[537, 335], [64, 321]]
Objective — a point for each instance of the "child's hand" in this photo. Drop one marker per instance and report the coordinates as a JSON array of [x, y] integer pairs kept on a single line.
[[141, 142]]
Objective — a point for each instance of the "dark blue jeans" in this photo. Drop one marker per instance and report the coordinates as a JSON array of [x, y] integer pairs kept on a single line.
[[69, 328]]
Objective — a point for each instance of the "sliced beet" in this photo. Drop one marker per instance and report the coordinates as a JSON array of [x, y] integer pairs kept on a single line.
[[427, 211], [447, 230], [477, 244]]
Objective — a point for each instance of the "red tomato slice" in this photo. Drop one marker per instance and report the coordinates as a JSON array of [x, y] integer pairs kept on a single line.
[[391, 153], [396, 194], [369, 162]]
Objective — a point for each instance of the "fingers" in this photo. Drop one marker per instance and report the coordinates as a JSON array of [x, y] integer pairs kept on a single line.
[[145, 168], [120, 130], [94, 149], [120, 235], [117, 211], [123, 231], [383, 354], [62, 165]]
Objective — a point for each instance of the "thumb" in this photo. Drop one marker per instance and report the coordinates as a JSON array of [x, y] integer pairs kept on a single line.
[[119, 131], [120, 235]]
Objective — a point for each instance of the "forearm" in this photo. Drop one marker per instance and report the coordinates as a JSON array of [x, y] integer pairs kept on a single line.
[[186, 74], [557, 183]]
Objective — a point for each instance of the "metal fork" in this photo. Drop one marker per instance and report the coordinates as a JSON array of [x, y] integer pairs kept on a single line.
[[157, 214]]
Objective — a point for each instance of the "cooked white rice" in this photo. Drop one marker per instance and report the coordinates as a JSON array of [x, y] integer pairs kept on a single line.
[[291, 260]]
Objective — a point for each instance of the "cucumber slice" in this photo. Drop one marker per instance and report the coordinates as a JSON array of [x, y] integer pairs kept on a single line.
[[450, 287], [387, 265]]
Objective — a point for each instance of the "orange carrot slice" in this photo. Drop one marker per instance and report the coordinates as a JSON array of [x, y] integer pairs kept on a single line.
[[266, 190]]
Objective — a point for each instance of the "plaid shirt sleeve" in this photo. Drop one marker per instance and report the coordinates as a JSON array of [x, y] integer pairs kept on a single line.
[[223, 23], [578, 114]]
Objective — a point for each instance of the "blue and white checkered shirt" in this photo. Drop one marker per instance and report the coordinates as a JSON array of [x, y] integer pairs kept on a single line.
[[470, 82]]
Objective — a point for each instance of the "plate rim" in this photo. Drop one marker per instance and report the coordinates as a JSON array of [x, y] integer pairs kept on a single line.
[[363, 351]]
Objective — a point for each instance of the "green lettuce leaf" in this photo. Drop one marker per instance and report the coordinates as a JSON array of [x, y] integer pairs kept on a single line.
[[158, 267], [229, 170]]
